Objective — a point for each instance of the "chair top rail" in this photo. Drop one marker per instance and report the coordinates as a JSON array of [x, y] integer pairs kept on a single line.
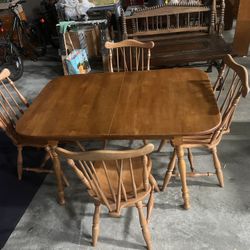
[[4, 74], [105, 155], [241, 71], [130, 43]]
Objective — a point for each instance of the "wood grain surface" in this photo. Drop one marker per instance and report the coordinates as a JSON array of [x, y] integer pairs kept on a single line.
[[150, 104]]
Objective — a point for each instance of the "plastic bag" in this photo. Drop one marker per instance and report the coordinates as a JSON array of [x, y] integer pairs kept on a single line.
[[83, 7], [74, 9]]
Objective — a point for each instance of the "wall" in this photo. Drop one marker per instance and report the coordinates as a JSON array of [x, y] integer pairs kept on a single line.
[[242, 32]]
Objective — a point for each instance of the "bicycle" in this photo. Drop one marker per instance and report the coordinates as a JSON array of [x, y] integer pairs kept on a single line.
[[22, 38], [10, 57], [28, 36]]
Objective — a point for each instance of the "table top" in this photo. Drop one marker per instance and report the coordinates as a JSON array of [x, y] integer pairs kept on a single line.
[[150, 104]]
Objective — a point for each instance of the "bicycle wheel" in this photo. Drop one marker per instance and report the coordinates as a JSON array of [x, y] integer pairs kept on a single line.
[[34, 39], [11, 59]]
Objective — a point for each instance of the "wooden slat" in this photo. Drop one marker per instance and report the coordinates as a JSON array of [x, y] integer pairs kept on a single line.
[[169, 31], [170, 10]]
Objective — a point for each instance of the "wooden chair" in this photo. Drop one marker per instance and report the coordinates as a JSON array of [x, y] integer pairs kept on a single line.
[[12, 106], [129, 55], [185, 33], [231, 84], [115, 179]]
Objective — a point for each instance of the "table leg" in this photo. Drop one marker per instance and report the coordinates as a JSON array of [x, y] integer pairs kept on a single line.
[[57, 170], [182, 170]]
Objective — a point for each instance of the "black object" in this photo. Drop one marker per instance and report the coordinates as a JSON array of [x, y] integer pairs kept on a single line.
[[155, 2], [47, 22], [10, 57]]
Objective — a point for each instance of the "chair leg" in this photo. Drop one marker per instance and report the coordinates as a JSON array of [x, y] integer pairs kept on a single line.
[[64, 179], [183, 176], [154, 183], [217, 166], [144, 226], [105, 143], [170, 169], [96, 222], [46, 158], [78, 143], [190, 159], [19, 162], [162, 143], [150, 204], [58, 174]]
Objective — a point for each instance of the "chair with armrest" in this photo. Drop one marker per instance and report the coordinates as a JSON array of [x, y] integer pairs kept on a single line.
[[115, 179], [230, 86], [12, 106]]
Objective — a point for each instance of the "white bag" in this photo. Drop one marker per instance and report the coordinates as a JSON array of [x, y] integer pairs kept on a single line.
[[75, 8]]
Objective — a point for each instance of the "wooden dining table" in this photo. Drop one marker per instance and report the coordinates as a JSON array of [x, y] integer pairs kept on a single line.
[[158, 104]]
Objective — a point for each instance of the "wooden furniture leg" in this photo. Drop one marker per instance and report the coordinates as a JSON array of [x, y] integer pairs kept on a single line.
[[190, 159], [162, 143], [154, 183], [182, 170], [58, 173], [19, 162], [105, 144], [150, 204], [96, 222], [217, 166], [169, 172], [46, 158], [144, 226], [65, 180]]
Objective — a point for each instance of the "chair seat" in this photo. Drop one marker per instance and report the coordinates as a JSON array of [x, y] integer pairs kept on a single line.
[[187, 49], [141, 196], [199, 139]]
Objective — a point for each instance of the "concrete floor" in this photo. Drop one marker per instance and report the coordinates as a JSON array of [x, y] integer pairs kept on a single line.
[[219, 218]]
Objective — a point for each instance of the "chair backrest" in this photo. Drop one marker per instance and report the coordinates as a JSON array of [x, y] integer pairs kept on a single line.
[[231, 84], [12, 104], [113, 177], [174, 20], [129, 55]]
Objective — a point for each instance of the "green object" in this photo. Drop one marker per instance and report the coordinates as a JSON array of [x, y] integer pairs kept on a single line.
[[103, 2], [64, 25]]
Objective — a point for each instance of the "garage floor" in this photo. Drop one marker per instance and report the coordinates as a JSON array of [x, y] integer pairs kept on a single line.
[[219, 218]]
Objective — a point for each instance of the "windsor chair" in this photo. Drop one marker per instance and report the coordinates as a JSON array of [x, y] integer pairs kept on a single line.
[[230, 86], [115, 179], [12, 106]]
